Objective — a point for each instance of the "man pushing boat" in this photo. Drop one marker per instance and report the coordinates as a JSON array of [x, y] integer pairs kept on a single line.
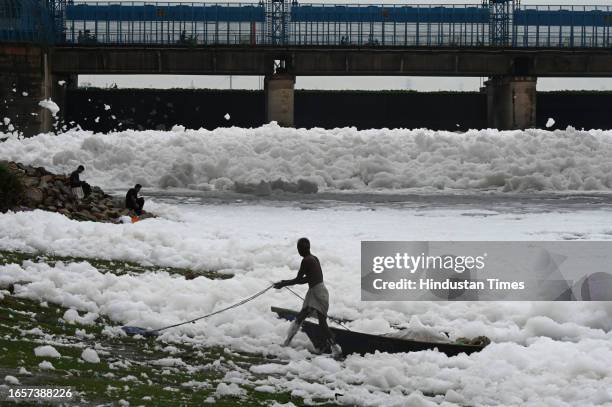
[[317, 297]]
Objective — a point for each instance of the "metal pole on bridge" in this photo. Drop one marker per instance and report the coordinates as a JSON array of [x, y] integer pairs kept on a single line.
[[501, 17]]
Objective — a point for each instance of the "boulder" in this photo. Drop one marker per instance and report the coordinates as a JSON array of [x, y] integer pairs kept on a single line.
[[30, 172], [307, 187], [29, 182], [279, 184], [34, 196], [41, 172], [46, 180], [63, 188]]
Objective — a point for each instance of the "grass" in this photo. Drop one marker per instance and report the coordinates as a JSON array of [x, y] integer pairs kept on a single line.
[[128, 369], [117, 267]]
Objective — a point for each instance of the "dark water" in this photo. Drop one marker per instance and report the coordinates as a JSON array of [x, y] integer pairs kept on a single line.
[[484, 202]]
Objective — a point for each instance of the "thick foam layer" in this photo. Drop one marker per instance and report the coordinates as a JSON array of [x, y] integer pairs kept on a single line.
[[339, 159]]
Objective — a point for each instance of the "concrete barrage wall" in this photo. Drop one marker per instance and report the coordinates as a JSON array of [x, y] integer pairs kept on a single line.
[[161, 109]]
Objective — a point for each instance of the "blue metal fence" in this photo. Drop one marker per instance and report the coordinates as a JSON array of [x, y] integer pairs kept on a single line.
[[306, 24], [573, 16], [189, 24], [457, 14], [563, 26], [164, 23], [166, 12], [389, 25], [26, 21]]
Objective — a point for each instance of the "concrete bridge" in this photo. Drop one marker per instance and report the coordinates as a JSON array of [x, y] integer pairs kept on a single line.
[[511, 44]]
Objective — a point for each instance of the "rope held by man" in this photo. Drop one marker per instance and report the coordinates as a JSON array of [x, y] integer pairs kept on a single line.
[[242, 302]]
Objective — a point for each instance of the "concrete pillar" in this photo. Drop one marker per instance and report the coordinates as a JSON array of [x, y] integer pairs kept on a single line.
[[511, 102], [25, 80], [60, 86], [280, 98]]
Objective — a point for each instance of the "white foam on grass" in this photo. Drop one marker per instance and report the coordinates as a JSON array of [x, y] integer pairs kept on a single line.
[[169, 362], [46, 365], [47, 351], [231, 389], [72, 316], [11, 380], [90, 355], [339, 159]]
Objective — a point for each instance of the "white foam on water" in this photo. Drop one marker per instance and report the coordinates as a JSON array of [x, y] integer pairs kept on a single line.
[[339, 159]]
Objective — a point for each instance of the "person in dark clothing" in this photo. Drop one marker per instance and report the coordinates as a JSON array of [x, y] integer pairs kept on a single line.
[[132, 201], [316, 301], [80, 188], [74, 177]]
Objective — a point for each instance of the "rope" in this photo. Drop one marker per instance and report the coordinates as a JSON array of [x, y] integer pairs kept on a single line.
[[336, 320], [242, 302], [294, 293]]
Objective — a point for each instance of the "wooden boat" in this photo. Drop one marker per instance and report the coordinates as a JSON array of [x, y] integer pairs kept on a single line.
[[362, 343]]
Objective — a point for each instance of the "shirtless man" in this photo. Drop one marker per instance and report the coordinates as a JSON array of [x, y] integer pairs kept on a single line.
[[317, 297]]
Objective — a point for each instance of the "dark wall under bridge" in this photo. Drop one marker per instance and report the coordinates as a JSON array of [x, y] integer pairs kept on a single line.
[[195, 108]]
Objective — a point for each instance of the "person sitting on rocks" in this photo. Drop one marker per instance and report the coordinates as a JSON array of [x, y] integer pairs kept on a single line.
[[80, 188], [132, 201]]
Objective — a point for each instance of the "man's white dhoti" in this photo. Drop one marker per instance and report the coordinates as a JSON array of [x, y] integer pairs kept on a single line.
[[317, 298], [78, 192]]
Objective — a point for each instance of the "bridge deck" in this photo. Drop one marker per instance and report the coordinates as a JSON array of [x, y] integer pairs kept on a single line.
[[332, 61]]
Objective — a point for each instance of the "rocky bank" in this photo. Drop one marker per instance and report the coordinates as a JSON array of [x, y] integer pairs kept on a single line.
[[51, 192]]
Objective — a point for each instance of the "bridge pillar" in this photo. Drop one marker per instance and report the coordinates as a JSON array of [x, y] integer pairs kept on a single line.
[[59, 86], [280, 98], [25, 80], [511, 102]]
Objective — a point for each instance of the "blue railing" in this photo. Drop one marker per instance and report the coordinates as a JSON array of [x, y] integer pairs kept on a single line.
[[247, 24], [26, 21], [165, 23], [166, 12]]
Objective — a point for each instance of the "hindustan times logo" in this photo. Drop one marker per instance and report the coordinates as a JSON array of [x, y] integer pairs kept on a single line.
[[410, 263]]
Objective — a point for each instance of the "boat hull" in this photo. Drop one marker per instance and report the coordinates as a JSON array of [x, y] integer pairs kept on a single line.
[[362, 343]]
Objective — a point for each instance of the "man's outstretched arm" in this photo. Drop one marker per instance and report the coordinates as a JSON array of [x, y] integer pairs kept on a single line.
[[299, 279]]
